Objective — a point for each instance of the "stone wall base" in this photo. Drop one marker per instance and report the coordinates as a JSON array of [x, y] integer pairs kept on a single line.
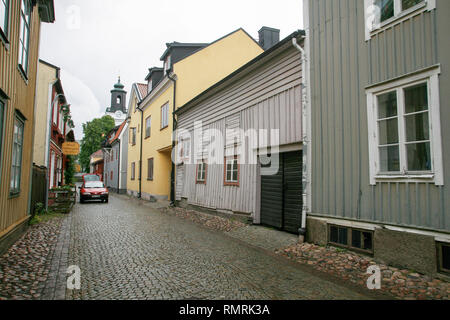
[[400, 249]]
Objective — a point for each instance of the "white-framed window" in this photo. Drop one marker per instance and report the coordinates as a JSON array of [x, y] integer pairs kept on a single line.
[[55, 113], [231, 172], [16, 166], [165, 116], [381, 14], [404, 129], [2, 113], [133, 136], [4, 17], [24, 41], [149, 86], [167, 64], [148, 127], [201, 172], [61, 122]]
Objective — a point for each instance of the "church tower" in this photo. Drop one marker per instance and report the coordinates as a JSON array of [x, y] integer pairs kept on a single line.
[[118, 108]]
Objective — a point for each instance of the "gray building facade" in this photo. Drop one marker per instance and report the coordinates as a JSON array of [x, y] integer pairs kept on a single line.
[[116, 159], [379, 166], [264, 94]]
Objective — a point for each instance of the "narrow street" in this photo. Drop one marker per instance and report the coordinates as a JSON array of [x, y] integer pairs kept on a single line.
[[127, 250]]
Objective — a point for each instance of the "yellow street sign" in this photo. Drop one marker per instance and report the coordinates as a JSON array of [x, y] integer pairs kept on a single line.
[[71, 148], [77, 168]]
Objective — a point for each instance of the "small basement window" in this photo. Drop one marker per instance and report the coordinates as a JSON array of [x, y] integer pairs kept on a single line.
[[443, 257], [351, 238]]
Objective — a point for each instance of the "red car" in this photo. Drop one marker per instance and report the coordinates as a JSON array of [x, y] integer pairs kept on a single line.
[[94, 190]]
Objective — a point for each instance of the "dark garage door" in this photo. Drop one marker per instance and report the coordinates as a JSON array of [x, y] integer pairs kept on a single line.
[[281, 194]]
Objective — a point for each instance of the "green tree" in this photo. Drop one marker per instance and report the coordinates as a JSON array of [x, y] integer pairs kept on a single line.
[[95, 133], [69, 173]]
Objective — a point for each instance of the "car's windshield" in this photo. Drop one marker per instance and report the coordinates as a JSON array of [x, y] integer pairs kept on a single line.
[[91, 177], [93, 184]]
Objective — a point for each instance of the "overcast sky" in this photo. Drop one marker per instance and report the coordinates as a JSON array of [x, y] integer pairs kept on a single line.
[[93, 41]]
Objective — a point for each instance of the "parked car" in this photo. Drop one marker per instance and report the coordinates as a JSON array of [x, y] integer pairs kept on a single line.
[[94, 190], [91, 177]]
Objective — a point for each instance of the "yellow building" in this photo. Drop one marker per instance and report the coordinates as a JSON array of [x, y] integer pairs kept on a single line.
[[189, 69]]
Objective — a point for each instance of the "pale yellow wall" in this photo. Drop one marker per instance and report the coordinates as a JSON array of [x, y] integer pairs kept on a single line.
[[46, 77], [194, 74], [159, 139], [134, 151], [201, 70]]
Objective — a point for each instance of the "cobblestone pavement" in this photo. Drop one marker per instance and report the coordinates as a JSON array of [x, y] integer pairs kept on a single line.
[[25, 268], [128, 250]]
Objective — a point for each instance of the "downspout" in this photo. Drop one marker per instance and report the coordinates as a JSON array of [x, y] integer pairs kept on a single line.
[[305, 141], [174, 127]]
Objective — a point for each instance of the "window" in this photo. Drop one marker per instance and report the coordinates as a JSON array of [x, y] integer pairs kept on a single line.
[[148, 127], [351, 238], [2, 113], [55, 113], [201, 172], [167, 64], [149, 86], [111, 176], [150, 169], [16, 167], [165, 116], [24, 41], [443, 254], [381, 14], [133, 171], [119, 100], [133, 136], [404, 130], [61, 123], [4, 16], [231, 172], [185, 148]]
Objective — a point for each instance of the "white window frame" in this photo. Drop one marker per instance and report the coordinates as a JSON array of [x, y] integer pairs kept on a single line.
[[148, 126], [372, 27], [5, 27], [17, 155], [234, 160], [201, 171], [165, 116], [431, 77], [24, 36]]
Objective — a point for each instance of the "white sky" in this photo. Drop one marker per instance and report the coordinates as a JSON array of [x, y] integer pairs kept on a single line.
[[93, 41]]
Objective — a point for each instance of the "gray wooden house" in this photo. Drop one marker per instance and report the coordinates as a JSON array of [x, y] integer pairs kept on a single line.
[[264, 94], [116, 159], [378, 81]]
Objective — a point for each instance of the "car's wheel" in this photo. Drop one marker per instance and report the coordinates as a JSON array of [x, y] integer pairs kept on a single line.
[[106, 200], [81, 200]]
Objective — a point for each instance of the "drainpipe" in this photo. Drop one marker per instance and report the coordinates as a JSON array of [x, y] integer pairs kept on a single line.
[[118, 167], [174, 126], [305, 140]]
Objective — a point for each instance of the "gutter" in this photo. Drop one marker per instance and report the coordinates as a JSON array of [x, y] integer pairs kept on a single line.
[[174, 127], [305, 140]]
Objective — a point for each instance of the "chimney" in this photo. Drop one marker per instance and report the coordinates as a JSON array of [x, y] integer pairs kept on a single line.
[[268, 37]]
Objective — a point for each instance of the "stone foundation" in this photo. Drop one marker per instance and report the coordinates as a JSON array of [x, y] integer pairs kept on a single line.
[[395, 248]]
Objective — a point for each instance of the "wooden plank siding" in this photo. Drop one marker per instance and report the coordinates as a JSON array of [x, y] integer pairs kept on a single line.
[[21, 95], [342, 65], [265, 95]]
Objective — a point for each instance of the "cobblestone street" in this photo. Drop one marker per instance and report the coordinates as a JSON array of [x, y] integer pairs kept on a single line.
[[128, 250]]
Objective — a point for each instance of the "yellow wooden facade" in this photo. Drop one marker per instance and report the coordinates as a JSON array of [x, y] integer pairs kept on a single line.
[[193, 75]]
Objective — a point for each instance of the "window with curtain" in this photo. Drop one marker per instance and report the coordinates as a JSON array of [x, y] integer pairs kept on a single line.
[[16, 167]]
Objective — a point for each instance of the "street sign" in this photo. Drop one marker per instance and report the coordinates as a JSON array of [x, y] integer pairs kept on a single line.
[[71, 148]]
